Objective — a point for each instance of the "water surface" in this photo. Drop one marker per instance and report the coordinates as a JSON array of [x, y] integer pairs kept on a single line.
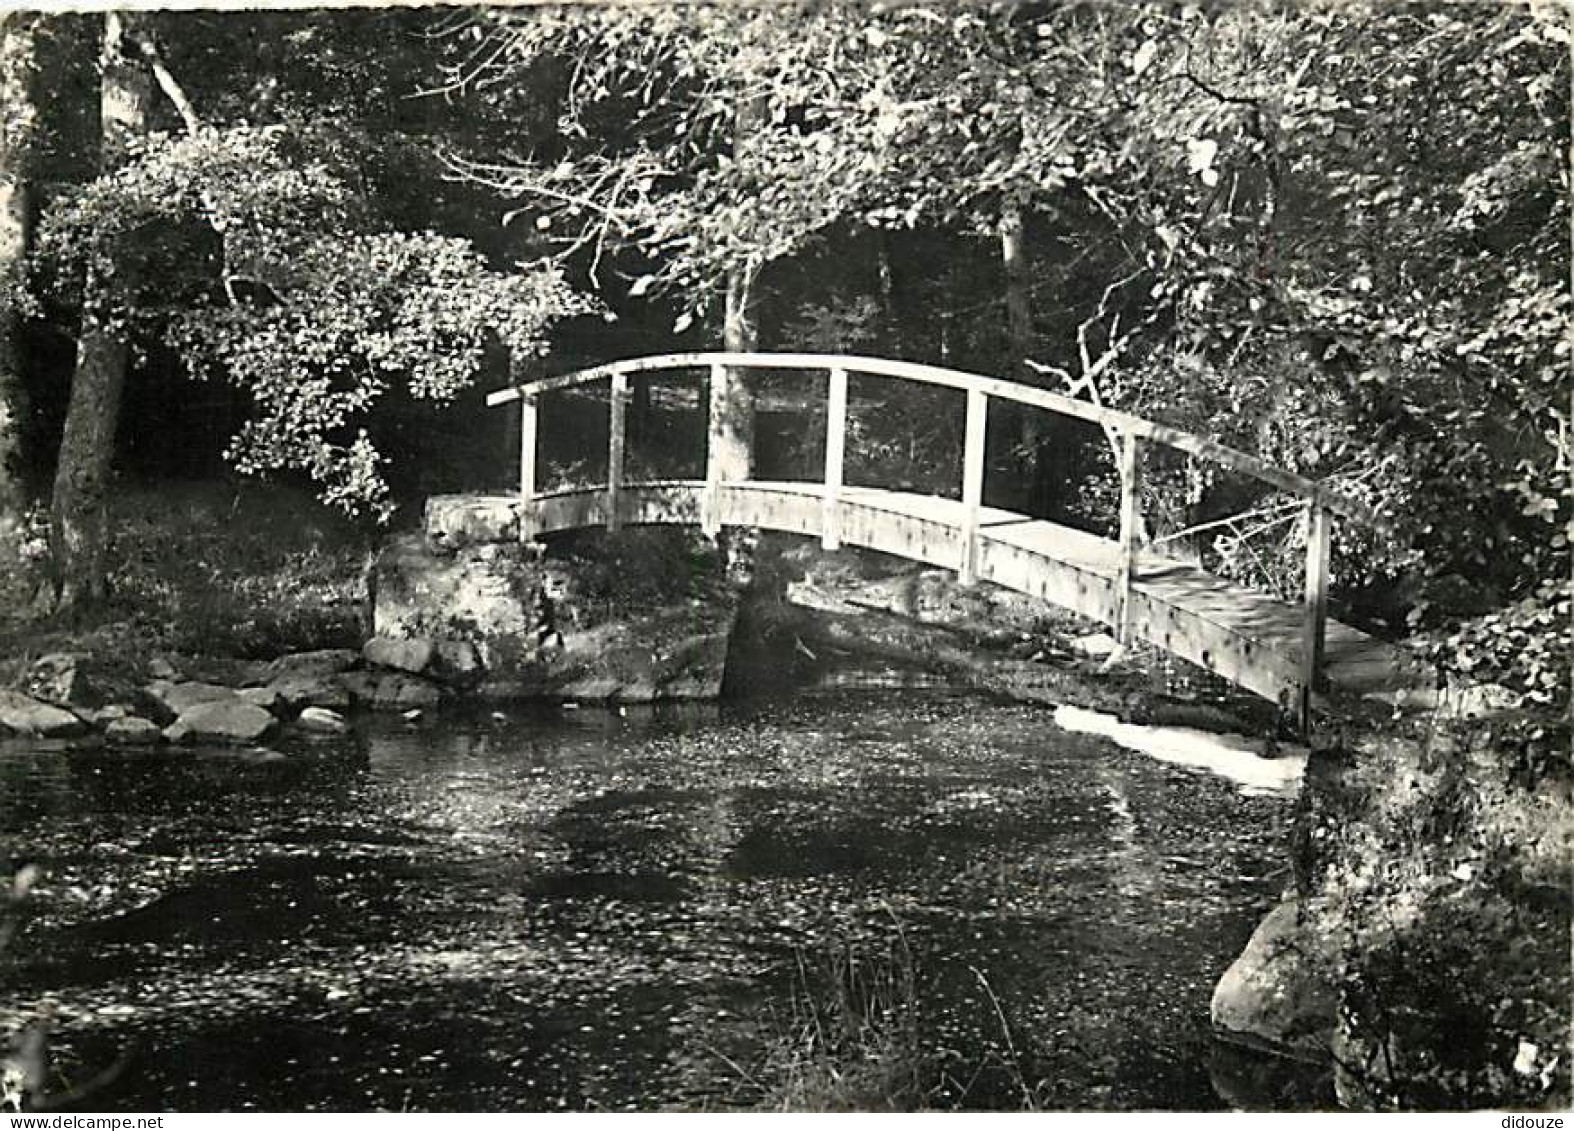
[[642, 909]]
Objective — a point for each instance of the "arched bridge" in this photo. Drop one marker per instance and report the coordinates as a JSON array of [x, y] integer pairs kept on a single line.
[[1285, 652]]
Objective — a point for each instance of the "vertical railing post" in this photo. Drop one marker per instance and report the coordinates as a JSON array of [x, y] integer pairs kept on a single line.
[[1314, 624], [835, 451], [617, 402], [1130, 532], [527, 467], [710, 503], [972, 483]]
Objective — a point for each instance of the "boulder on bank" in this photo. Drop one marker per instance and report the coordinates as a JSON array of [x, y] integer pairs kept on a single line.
[[656, 656], [590, 689], [131, 730], [178, 698], [265, 697], [308, 689], [484, 614], [413, 655], [71, 679], [231, 720], [1096, 645], [315, 664], [488, 593], [446, 660], [22, 714], [390, 691], [456, 661], [1275, 996], [228, 671], [452, 522]]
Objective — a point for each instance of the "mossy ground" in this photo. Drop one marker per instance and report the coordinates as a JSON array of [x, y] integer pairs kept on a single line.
[[220, 568]]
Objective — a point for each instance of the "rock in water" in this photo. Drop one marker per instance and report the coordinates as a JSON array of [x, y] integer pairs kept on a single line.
[[24, 715], [1098, 646], [1275, 995], [322, 721], [232, 720]]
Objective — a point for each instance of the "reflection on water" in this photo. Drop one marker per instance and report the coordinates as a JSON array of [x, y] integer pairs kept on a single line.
[[603, 909]]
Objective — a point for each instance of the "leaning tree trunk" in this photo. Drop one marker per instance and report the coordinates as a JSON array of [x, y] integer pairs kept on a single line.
[[17, 61], [80, 509]]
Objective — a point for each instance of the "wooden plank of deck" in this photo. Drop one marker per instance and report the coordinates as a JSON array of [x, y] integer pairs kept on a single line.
[[1251, 638]]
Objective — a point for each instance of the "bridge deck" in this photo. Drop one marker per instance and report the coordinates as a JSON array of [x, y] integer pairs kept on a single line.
[[1246, 636]]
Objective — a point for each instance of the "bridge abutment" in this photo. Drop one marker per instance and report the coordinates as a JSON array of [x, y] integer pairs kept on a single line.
[[477, 608]]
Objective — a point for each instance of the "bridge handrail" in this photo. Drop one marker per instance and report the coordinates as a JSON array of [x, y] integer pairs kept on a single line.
[[995, 387]]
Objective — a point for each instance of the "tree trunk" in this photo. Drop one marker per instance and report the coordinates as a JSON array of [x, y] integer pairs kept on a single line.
[[79, 513], [731, 396], [17, 97], [642, 412], [890, 319], [1023, 425], [1019, 309]]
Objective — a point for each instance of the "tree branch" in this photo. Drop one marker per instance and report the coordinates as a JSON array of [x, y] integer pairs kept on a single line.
[[1213, 91], [166, 80], [147, 47]]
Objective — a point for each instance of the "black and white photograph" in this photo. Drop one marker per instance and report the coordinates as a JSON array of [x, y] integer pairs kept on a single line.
[[786, 556]]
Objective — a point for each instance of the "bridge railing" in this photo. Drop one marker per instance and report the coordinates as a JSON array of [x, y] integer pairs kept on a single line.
[[1321, 501]]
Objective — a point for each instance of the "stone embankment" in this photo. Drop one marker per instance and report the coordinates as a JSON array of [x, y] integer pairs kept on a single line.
[[195, 699], [461, 612]]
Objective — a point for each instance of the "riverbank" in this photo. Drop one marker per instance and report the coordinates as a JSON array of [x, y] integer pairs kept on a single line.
[[258, 600], [1433, 867]]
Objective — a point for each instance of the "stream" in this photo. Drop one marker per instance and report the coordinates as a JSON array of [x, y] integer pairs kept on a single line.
[[659, 908]]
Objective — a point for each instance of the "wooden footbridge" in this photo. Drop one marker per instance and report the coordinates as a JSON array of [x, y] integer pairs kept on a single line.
[[1287, 653]]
